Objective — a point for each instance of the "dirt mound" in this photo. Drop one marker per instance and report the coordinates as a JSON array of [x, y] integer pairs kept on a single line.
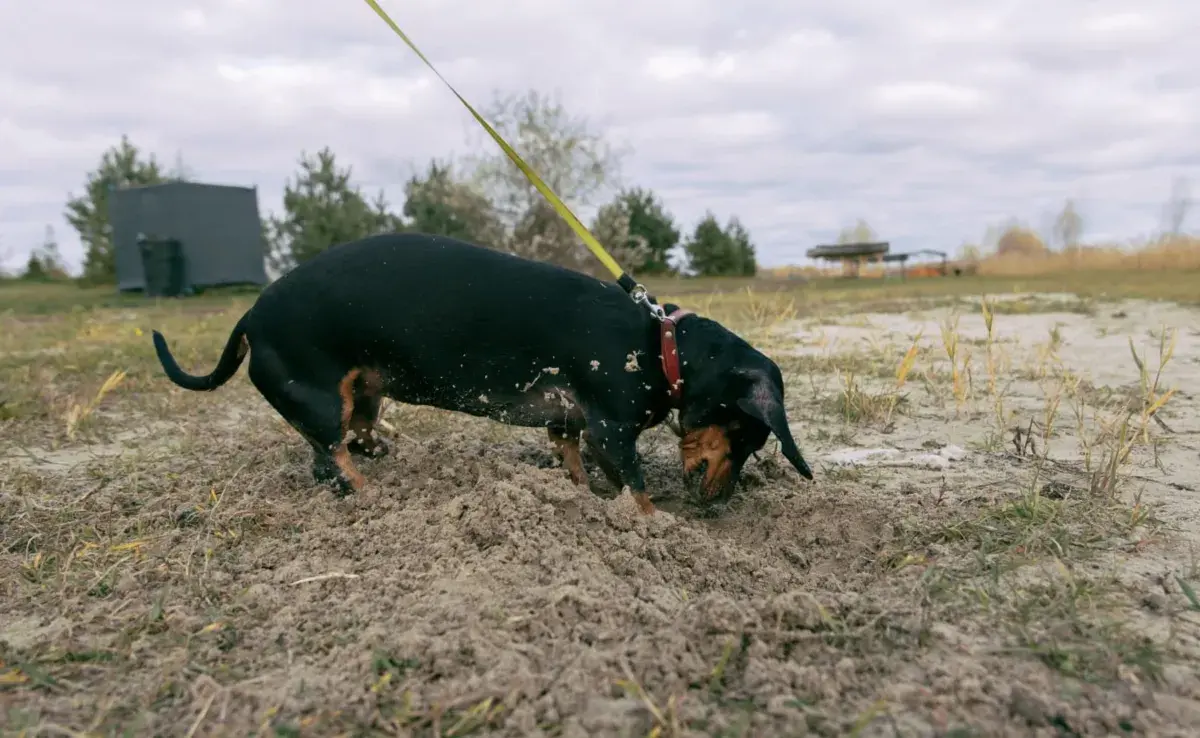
[[490, 578]]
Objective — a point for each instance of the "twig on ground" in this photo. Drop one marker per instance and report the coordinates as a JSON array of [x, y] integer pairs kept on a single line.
[[1161, 423], [203, 713], [56, 729], [322, 577]]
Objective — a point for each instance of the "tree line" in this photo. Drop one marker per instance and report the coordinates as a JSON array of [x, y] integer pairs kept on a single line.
[[483, 198]]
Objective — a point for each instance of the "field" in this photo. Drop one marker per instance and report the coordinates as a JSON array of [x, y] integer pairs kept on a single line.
[[999, 541]]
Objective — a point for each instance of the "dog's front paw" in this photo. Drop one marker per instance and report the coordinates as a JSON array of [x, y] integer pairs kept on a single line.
[[324, 470], [341, 486]]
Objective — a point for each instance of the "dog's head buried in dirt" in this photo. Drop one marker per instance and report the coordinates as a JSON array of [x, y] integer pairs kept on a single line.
[[731, 403]]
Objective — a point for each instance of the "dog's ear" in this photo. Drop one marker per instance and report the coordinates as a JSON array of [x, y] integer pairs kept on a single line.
[[763, 402]]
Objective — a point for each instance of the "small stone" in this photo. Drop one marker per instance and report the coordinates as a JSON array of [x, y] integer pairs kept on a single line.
[[1155, 602], [783, 705], [1025, 705], [845, 668], [187, 516]]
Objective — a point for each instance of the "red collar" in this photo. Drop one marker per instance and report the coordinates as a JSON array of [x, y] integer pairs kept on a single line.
[[672, 367]]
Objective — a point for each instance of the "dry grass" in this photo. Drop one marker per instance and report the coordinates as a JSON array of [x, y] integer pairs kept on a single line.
[[146, 531], [1162, 255]]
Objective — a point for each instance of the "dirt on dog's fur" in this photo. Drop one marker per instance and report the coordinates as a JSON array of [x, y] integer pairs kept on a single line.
[[193, 581]]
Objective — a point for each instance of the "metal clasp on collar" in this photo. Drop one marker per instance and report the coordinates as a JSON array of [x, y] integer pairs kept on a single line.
[[642, 297]]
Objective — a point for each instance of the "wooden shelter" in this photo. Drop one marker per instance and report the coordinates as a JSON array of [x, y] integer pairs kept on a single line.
[[851, 255]]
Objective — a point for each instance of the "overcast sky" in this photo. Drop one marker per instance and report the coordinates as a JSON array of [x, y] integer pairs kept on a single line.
[[930, 118]]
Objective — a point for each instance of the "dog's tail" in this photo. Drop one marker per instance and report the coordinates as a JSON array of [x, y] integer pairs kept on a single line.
[[231, 358]]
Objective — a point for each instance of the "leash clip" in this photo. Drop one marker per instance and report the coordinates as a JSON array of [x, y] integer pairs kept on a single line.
[[642, 297]]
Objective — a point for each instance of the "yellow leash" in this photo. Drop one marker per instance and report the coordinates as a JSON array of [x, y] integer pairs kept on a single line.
[[635, 290]]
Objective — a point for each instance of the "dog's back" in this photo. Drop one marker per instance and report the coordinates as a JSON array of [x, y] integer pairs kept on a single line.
[[445, 295], [451, 324]]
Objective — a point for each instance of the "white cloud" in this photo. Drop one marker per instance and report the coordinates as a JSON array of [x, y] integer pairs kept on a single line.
[[1122, 25], [927, 98], [675, 64], [931, 119]]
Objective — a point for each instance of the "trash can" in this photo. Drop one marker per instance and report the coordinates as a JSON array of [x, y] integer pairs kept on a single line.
[[163, 266]]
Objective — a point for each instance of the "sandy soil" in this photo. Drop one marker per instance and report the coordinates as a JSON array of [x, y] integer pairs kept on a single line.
[[938, 579], [1093, 346]]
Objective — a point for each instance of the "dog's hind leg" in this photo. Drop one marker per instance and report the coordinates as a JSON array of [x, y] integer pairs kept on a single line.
[[567, 445], [318, 409], [367, 398]]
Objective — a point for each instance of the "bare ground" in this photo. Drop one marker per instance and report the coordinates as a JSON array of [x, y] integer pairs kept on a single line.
[[1003, 551]]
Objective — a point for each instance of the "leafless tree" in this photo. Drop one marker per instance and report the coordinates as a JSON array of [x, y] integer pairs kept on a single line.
[[574, 160], [860, 232], [1068, 226], [1176, 210]]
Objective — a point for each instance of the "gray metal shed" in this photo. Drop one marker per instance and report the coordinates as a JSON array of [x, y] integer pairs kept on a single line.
[[217, 227]]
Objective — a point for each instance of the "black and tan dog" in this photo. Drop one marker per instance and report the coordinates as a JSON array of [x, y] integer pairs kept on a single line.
[[433, 321]]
